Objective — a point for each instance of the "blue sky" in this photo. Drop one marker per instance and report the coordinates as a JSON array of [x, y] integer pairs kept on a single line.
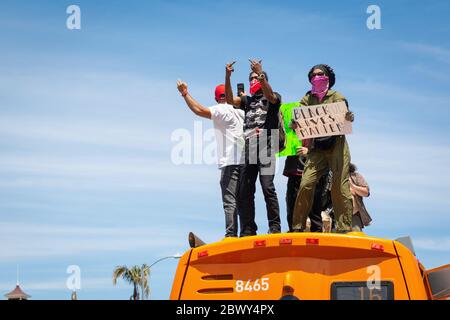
[[86, 118]]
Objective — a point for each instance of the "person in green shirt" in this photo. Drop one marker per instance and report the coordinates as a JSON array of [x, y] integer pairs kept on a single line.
[[325, 153]]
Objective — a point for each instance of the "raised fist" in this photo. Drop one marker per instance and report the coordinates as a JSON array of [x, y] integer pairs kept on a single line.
[[181, 86], [229, 68]]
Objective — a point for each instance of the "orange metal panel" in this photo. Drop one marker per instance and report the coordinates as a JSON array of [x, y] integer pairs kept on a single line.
[[260, 267], [411, 271], [183, 264]]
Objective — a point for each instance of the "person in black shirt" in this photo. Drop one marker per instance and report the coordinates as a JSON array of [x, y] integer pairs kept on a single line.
[[260, 130]]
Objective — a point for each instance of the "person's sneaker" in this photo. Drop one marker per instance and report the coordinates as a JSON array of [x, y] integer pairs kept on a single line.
[[273, 231], [295, 230]]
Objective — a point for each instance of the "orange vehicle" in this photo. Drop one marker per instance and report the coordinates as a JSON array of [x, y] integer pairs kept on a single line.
[[307, 266]]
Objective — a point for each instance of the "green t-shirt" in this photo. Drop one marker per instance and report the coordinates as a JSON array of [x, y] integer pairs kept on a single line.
[[292, 141]]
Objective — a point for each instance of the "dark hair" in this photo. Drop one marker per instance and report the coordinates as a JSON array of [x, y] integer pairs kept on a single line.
[[352, 168], [250, 75], [327, 70]]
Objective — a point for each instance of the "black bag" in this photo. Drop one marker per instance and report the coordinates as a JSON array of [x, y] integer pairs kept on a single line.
[[325, 143]]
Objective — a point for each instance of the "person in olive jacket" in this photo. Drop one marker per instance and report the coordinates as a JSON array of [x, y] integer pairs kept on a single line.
[[325, 153]]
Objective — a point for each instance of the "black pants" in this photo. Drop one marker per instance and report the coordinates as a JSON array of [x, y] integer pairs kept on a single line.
[[315, 215], [229, 184], [249, 173]]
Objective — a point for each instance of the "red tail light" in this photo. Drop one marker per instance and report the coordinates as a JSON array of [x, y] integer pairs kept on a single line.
[[312, 241], [376, 246], [286, 241], [259, 243], [202, 254]]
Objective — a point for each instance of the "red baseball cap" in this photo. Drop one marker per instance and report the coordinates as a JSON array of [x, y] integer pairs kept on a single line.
[[220, 91]]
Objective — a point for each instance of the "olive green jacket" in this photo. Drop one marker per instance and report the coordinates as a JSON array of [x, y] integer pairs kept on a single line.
[[331, 97], [311, 100]]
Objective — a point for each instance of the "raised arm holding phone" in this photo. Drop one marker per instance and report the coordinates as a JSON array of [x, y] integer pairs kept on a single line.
[[261, 116]]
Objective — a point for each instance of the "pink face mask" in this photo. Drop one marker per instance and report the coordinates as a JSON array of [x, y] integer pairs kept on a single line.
[[319, 86]]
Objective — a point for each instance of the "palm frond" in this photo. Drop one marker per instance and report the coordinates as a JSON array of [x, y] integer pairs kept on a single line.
[[119, 271], [138, 276]]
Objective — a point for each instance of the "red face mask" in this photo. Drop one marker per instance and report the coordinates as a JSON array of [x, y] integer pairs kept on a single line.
[[255, 86]]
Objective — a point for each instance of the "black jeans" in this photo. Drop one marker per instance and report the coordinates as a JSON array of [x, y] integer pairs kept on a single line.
[[315, 215], [265, 167], [229, 184]]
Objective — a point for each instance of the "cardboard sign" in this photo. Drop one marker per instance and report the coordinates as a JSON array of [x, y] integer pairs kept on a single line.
[[321, 120]]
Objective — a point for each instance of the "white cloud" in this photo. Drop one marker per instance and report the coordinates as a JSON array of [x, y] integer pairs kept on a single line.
[[101, 173], [97, 89], [22, 241], [432, 244], [388, 95], [45, 130], [429, 72], [86, 130], [437, 52], [94, 107], [403, 163]]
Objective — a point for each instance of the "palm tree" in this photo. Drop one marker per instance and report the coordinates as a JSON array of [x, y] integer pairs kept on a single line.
[[134, 275]]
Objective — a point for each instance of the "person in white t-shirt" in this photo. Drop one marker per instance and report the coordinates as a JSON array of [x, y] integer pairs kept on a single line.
[[228, 124]]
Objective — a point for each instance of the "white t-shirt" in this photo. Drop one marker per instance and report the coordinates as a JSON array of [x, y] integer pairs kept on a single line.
[[229, 131]]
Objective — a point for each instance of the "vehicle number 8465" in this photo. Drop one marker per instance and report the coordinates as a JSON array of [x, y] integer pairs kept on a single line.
[[249, 286]]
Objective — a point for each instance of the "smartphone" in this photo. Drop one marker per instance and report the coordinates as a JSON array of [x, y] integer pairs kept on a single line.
[[240, 89]]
